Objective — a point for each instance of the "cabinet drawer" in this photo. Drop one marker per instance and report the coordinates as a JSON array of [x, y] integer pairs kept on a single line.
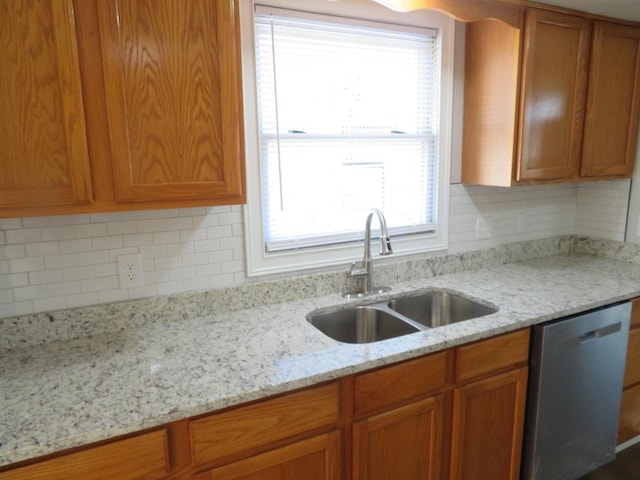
[[401, 382], [629, 426], [260, 424], [144, 456], [484, 357], [632, 368]]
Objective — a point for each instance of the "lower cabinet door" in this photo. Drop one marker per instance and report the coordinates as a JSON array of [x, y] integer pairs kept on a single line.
[[405, 443], [316, 458], [488, 422]]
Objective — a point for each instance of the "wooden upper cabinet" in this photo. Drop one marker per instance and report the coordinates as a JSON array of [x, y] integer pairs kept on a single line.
[[172, 85], [554, 82], [43, 148], [613, 101], [556, 99]]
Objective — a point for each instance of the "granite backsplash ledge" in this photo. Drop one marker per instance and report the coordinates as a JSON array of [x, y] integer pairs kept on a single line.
[[28, 330]]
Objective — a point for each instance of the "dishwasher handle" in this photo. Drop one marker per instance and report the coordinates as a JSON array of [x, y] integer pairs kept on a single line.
[[588, 337]]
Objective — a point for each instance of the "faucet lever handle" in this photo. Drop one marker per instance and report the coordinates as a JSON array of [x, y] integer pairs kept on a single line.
[[357, 270]]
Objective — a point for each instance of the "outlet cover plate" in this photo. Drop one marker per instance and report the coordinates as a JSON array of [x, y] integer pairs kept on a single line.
[[130, 270]]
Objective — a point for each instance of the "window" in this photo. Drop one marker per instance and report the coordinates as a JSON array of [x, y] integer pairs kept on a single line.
[[349, 117]]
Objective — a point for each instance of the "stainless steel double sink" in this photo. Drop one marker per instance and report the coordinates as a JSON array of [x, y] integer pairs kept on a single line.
[[400, 316]]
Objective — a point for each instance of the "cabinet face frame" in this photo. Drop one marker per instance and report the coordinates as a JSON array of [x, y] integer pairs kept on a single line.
[[69, 183], [147, 165]]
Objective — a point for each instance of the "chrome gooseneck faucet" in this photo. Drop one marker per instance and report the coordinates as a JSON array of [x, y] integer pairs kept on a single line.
[[364, 271]]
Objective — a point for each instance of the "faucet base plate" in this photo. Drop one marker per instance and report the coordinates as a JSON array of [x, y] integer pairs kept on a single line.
[[374, 291]]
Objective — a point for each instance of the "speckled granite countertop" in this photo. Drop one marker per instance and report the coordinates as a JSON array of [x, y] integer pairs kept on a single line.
[[62, 394]]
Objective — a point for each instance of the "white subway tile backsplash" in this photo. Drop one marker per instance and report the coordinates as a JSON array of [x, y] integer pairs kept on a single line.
[[61, 261], [41, 249], [64, 288], [138, 239], [30, 293], [95, 284], [49, 304], [150, 226], [83, 299], [23, 235], [76, 245], [179, 223], [10, 223], [119, 228], [45, 276], [59, 233], [50, 263], [78, 273], [96, 258], [14, 280], [12, 251], [6, 296], [18, 265], [166, 237], [90, 230], [108, 243]]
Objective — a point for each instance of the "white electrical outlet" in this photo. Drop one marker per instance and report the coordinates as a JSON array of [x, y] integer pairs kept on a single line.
[[484, 228], [130, 270]]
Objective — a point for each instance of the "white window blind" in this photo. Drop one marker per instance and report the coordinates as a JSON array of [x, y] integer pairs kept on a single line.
[[348, 120]]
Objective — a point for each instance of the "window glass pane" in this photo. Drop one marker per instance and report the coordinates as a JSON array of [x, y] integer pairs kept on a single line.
[[348, 121]]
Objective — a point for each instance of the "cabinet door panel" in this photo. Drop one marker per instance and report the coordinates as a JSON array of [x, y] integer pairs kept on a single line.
[[44, 154], [172, 78], [317, 458], [554, 87], [613, 103], [402, 443], [487, 427]]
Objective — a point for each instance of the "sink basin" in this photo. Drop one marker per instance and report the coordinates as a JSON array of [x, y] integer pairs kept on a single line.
[[361, 325], [438, 308]]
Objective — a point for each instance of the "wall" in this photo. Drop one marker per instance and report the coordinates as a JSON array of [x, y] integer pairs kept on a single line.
[[51, 263]]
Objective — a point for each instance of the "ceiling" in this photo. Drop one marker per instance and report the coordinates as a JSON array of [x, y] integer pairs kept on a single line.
[[626, 9]]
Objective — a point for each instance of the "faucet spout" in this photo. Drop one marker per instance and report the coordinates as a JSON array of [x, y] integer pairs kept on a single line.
[[365, 271]]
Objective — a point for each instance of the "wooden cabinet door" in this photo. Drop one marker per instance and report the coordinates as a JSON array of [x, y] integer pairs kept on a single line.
[[613, 102], [488, 421], [402, 443], [554, 74], [44, 159], [172, 76], [317, 458]]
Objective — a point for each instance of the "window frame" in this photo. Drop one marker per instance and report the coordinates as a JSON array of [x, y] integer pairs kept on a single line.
[[258, 261]]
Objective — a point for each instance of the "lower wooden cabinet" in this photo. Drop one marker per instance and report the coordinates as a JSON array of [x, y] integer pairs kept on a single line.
[[316, 458], [403, 443], [488, 422]]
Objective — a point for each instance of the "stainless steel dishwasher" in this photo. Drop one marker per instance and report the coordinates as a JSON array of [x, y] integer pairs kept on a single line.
[[575, 387]]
